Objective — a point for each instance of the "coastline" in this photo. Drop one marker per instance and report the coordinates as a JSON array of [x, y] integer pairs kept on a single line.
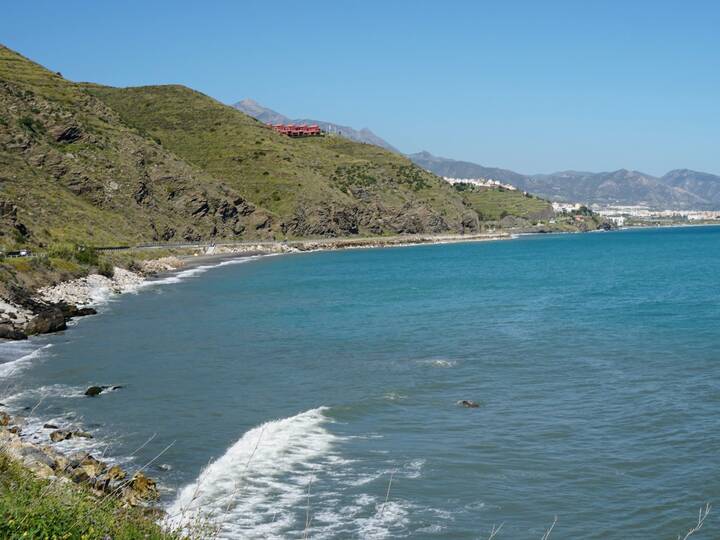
[[36, 449]]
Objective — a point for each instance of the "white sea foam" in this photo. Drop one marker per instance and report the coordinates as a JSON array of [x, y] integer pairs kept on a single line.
[[255, 488], [177, 277], [438, 363], [15, 366]]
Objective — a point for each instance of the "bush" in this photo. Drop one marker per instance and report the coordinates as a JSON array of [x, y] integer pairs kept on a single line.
[[105, 268], [74, 252]]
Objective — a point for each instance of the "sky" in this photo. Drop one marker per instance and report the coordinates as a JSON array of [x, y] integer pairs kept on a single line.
[[533, 86]]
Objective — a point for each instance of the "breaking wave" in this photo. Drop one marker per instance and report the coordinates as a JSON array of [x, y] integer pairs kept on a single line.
[[15, 366], [177, 277], [254, 489]]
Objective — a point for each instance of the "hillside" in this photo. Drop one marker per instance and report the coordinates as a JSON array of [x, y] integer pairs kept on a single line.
[[322, 186], [72, 170], [84, 163], [268, 116], [679, 189]]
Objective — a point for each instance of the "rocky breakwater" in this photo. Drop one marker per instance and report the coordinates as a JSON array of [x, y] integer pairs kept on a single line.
[[103, 479]]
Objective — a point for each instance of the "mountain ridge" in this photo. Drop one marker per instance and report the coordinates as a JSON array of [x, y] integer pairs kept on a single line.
[[677, 189]]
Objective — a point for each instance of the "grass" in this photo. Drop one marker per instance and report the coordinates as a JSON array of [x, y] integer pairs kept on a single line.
[[276, 172], [493, 204], [38, 509]]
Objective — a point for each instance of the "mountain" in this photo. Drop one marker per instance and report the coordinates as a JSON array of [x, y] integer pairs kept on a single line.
[[679, 189], [268, 116], [106, 166], [464, 169]]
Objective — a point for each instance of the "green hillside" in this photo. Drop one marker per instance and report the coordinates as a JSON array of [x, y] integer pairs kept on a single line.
[[105, 166], [71, 170], [315, 186], [493, 204]]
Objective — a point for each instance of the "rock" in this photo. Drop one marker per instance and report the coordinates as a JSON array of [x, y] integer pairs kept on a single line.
[[117, 387], [60, 435], [71, 310], [140, 489], [40, 469], [4, 419], [47, 321], [67, 134], [92, 467], [116, 473], [7, 331], [15, 429], [82, 434], [50, 426], [94, 391], [79, 476], [468, 404]]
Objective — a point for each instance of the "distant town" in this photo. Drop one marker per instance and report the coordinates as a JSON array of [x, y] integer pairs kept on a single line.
[[621, 215]]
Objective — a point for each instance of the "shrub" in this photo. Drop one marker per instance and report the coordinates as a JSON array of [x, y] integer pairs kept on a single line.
[[105, 268]]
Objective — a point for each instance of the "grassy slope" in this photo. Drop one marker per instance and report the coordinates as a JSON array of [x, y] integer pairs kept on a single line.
[[33, 508], [111, 185], [312, 176], [493, 204]]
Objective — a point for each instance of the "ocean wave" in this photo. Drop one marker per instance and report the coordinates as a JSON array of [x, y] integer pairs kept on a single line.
[[438, 363], [254, 489], [15, 366], [182, 275]]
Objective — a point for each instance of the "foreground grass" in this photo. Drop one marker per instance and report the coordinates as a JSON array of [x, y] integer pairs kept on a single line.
[[39, 509]]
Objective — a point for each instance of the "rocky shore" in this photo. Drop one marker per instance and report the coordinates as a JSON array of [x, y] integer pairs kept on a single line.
[[81, 468], [49, 309]]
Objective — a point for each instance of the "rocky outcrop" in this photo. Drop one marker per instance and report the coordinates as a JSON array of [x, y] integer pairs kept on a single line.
[[47, 321], [80, 467], [7, 331]]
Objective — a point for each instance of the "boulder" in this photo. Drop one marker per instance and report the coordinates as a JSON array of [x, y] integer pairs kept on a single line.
[[82, 434], [92, 467], [47, 321], [7, 331], [71, 310], [469, 404], [4, 419], [15, 429], [60, 435], [50, 426], [94, 391], [140, 489]]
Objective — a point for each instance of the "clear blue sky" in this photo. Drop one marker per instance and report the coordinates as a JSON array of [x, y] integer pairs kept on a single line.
[[534, 86]]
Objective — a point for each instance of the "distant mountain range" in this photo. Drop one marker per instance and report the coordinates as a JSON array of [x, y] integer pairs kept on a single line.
[[678, 189], [364, 135]]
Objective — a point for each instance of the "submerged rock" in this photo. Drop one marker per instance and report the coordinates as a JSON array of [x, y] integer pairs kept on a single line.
[[469, 404], [94, 391], [60, 435]]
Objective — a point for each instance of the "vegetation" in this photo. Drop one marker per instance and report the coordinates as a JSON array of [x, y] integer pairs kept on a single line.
[[40, 509], [493, 204]]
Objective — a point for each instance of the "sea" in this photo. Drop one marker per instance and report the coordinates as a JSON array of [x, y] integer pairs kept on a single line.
[[315, 395]]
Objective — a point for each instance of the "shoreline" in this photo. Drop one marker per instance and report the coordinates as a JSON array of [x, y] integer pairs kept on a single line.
[[42, 457]]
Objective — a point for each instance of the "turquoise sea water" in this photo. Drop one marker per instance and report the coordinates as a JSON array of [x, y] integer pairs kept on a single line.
[[312, 388]]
